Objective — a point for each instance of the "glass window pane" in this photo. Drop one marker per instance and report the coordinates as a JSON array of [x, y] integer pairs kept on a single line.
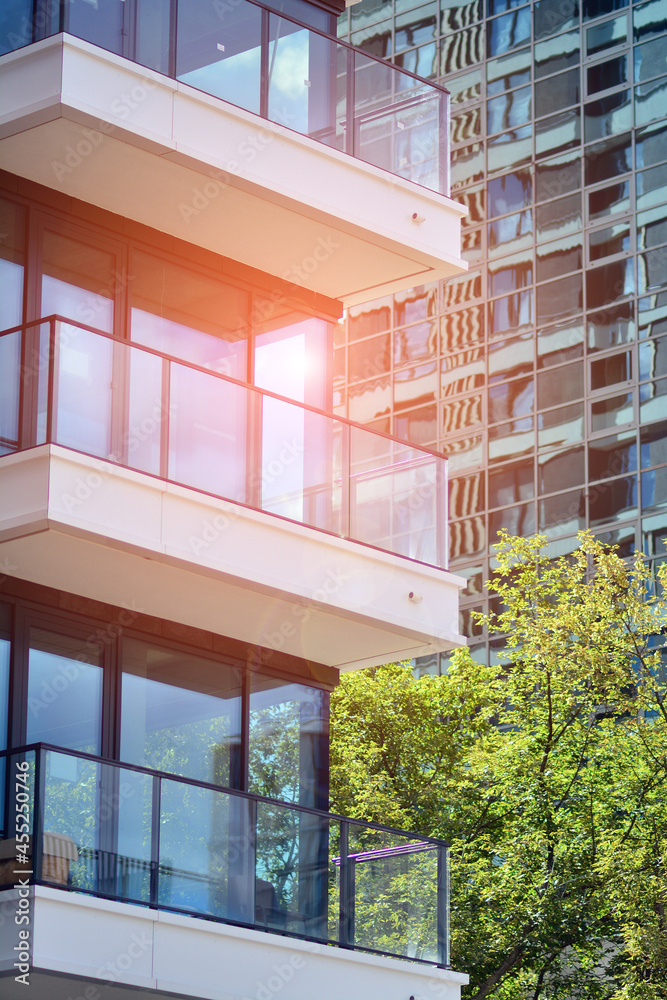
[[648, 19], [611, 369], [509, 31], [510, 484], [556, 218], [560, 385], [557, 53], [652, 186], [180, 713], [653, 401], [560, 298], [654, 489], [563, 342], [463, 452], [511, 399], [509, 110], [608, 115], [557, 176], [12, 254], [559, 132], [369, 357], [650, 59], [466, 494], [609, 282], [650, 101], [608, 74], [554, 15], [653, 358], [189, 315], [78, 282], [557, 92], [508, 71], [563, 514], [609, 200], [611, 327], [64, 691], [613, 412], [608, 241], [461, 49], [564, 425], [607, 159], [511, 440], [559, 470], [606, 35], [509, 357], [598, 8], [509, 273], [462, 328], [559, 257], [510, 192], [152, 35], [618, 499], [511, 313], [518, 520], [654, 445], [612, 456], [511, 233], [287, 749], [510, 149]]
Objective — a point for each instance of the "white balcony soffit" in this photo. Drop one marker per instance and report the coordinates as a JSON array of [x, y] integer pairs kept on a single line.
[[102, 129], [94, 529], [131, 951]]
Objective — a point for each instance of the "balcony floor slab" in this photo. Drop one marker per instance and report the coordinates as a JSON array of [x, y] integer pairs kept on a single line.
[[98, 530]]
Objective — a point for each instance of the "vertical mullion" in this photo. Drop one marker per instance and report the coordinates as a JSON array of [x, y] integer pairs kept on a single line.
[[53, 359], [264, 64], [164, 425], [38, 815], [346, 486], [350, 98], [155, 841], [443, 908]]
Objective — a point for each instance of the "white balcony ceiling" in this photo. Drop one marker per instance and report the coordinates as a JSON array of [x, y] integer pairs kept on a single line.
[[82, 121]]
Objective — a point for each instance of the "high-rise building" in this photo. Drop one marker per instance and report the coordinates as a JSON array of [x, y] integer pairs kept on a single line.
[[541, 372], [192, 543]]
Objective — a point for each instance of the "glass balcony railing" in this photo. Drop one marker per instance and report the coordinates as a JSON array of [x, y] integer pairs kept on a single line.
[[126, 833], [66, 384], [275, 66]]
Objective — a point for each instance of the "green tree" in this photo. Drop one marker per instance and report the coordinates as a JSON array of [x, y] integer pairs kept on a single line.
[[547, 774]]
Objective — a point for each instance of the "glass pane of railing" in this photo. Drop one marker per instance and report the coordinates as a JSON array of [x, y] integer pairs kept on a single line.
[[71, 822], [100, 23], [395, 893], [218, 50], [300, 476], [10, 376], [206, 862], [207, 437], [126, 808], [293, 870], [83, 390], [302, 79], [148, 410], [152, 34], [396, 494]]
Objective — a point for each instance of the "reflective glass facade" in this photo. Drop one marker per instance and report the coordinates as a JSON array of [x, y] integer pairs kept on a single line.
[[542, 373]]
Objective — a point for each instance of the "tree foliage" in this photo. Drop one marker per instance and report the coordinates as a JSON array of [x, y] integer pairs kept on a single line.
[[547, 773]]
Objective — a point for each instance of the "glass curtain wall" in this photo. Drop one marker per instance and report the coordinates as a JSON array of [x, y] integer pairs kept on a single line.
[[542, 372]]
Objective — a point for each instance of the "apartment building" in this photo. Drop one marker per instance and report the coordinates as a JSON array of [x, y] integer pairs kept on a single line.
[[193, 544], [541, 372]]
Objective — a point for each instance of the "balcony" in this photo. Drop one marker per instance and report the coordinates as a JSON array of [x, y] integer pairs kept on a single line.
[[228, 507], [286, 71], [189, 847], [256, 136], [145, 852]]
